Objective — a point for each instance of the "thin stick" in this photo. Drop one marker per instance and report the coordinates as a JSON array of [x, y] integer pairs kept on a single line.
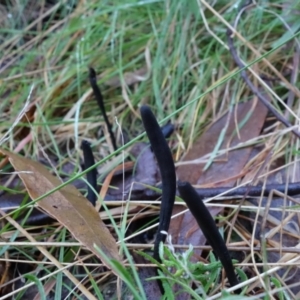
[[253, 88], [291, 189]]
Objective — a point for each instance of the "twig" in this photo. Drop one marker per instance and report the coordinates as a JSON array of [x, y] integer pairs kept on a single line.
[[99, 98], [91, 176], [38, 217], [252, 87], [208, 227], [250, 191], [291, 189]]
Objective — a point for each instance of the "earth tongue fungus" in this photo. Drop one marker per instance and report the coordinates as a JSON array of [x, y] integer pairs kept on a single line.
[[208, 227], [188, 193], [167, 170], [99, 99], [91, 176]]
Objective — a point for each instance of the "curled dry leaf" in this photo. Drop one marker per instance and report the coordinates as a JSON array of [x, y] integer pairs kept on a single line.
[[67, 205], [184, 229]]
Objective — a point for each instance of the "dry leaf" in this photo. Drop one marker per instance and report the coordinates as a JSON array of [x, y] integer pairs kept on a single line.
[[137, 176], [184, 230], [67, 205], [234, 161]]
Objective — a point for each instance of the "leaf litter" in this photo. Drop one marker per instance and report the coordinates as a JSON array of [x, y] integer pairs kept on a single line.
[[228, 168], [277, 225], [215, 160], [184, 229], [67, 205]]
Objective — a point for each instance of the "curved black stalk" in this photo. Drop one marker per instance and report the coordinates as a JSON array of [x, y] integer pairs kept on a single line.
[[91, 176], [99, 99], [208, 227], [167, 169]]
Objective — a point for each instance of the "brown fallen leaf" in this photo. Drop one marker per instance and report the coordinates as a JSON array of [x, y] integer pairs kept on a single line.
[[136, 175], [105, 185], [67, 205], [184, 229]]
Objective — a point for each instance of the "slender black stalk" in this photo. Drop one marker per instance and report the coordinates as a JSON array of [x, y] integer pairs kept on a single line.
[[208, 227], [99, 98], [91, 176], [167, 169]]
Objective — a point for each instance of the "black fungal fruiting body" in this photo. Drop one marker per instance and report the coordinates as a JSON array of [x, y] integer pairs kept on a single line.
[[91, 176], [208, 227], [167, 169], [99, 98]]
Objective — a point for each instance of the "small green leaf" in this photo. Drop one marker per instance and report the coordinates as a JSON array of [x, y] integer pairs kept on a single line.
[[278, 285], [39, 285]]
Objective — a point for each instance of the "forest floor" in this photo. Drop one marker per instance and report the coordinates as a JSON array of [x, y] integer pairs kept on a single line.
[[224, 73]]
